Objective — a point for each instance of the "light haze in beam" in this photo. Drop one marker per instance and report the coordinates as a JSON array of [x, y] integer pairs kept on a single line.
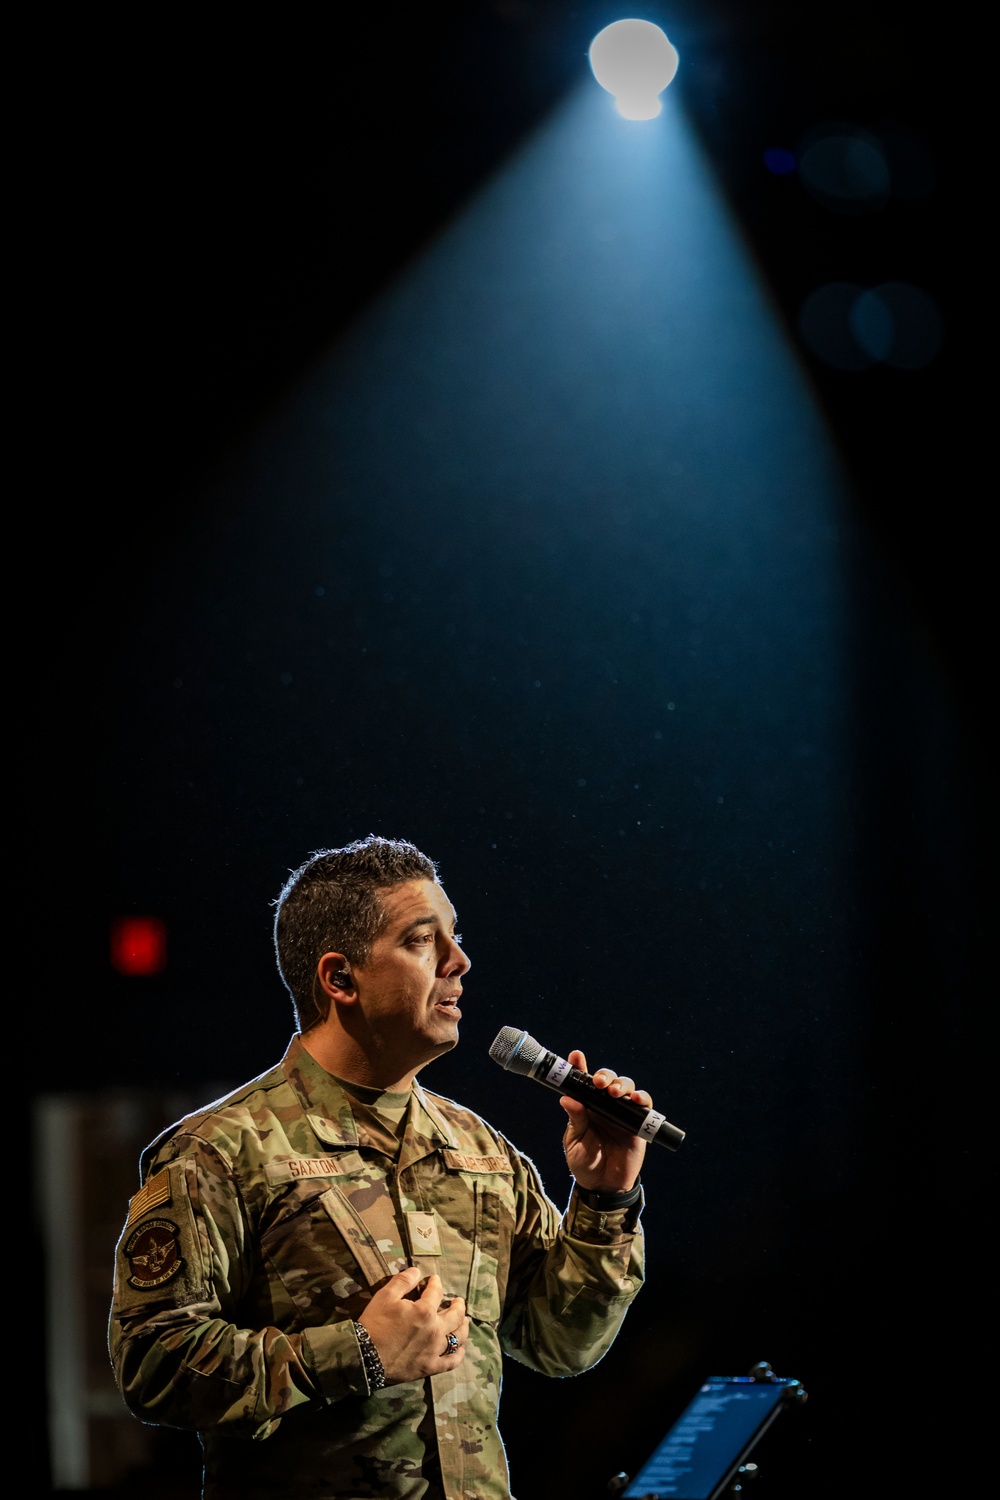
[[573, 442]]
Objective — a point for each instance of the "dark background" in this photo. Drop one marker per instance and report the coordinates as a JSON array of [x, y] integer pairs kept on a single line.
[[775, 919]]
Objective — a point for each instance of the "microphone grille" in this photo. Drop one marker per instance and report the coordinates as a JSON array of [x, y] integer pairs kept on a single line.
[[515, 1050]]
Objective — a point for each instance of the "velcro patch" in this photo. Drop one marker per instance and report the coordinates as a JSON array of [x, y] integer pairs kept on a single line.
[[153, 1254], [459, 1162], [155, 1193], [424, 1237], [296, 1168]]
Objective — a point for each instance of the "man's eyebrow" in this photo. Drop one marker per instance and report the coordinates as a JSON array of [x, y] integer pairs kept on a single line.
[[431, 920]]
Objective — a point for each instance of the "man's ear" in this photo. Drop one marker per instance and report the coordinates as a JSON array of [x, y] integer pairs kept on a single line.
[[334, 975]]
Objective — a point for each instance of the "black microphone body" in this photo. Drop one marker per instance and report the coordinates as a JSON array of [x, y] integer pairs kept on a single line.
[[518, 1052]]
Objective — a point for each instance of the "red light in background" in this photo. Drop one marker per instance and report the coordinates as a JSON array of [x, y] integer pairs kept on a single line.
[[138, 945]]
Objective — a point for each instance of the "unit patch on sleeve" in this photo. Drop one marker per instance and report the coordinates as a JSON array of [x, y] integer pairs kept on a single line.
[[153, 1254]]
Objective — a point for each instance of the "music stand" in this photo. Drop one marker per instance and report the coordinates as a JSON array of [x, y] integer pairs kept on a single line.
[[705, 1454]]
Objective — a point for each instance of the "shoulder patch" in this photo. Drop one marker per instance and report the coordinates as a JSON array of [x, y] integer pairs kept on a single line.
[[459, 1161], [155, 1193], [153, 1254]]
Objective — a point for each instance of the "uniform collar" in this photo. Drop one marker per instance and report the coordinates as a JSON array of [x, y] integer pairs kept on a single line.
[[434, 1126], [328, 1108]]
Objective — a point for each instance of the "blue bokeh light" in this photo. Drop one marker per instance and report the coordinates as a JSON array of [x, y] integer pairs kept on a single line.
[[779, 161]]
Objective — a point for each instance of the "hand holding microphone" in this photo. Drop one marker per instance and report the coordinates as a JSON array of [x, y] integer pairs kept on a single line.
[[599, 1154], [600, 1160]]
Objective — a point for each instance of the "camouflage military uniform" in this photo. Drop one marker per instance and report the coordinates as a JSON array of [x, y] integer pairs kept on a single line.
[[264, 1226]]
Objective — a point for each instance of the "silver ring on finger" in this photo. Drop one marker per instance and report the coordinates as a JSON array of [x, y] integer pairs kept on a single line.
[[451, 1344]]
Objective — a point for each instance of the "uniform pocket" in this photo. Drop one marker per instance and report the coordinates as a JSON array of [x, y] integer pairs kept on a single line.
[[489, 1266], [332, 1245], [475, 1218], [372, 1236]]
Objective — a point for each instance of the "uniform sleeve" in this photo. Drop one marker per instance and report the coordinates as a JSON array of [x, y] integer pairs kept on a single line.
[[181, 1354], [572, 1279]]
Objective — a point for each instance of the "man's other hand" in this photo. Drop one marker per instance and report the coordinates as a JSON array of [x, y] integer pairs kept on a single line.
[[411, 1332]]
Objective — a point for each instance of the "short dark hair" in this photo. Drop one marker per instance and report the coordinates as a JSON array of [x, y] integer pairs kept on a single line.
[[331, 904]]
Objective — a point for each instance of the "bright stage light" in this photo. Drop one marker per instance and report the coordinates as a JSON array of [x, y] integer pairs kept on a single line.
[[634, 61]]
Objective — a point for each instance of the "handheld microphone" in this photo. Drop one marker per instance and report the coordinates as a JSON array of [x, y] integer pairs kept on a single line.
[[518, 1052]]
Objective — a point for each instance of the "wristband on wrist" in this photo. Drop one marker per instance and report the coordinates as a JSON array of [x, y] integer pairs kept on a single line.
[[607, 1203], [369, 1358]]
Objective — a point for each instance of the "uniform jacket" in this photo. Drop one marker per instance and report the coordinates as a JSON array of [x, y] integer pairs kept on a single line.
[[265, 1224]]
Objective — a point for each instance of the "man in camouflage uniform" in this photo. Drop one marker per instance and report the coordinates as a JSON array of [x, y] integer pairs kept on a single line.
[[320, 1270]]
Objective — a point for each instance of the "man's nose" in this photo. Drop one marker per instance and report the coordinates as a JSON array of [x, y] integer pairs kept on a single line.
[[456, 960]]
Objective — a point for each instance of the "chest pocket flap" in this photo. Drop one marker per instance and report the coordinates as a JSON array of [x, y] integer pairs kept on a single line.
[[363, 1212], [331, 1237]]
